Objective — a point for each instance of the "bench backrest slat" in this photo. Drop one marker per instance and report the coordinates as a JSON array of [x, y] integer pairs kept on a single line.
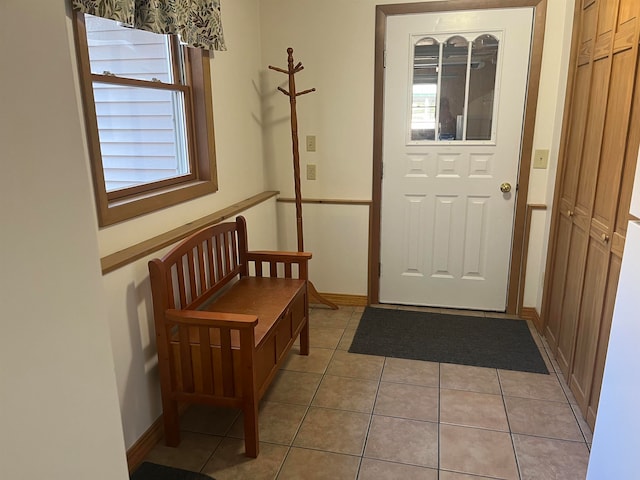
[[202, 264]]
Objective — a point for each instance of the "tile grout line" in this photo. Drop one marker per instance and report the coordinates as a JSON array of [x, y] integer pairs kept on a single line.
[[366, 435], [439, 445], [506, 414]]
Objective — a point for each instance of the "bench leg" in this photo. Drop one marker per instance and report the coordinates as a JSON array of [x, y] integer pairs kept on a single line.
[[171, 422], [251, 439], [304, 338]]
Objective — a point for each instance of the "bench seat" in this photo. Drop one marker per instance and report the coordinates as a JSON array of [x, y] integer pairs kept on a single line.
[[266, 298]]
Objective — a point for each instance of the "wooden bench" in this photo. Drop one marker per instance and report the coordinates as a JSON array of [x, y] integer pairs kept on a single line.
[[225, 319]]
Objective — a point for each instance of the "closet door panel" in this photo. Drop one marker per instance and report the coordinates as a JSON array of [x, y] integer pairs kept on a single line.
[[588, 24], [603, 340], [595, 280], [628, 11], [554, 320], [625, 36], [606, 16], [606, 20], [576, 136], [615, 133], [630, 159], [571, 300], [592, 138]]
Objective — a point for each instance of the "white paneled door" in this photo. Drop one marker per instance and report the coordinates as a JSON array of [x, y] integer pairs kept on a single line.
[[455, 88]]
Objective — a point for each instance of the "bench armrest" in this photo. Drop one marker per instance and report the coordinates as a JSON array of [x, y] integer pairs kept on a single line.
[[283, 259], [201, 318], [274, 256]]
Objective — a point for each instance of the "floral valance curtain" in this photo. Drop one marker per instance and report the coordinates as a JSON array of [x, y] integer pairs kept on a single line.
[[197, 22]]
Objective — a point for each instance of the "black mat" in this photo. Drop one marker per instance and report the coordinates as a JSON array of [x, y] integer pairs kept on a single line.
[[153, 471], [434, 337]]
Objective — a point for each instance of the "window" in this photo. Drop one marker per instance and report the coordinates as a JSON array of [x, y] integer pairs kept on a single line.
[[453, 88], [149, 121]]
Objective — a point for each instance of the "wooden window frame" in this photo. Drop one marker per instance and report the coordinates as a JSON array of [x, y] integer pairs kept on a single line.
[[115, 207]]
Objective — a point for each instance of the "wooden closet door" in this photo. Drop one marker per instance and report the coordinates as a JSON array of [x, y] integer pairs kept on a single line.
[[591, 212], [622, 56]]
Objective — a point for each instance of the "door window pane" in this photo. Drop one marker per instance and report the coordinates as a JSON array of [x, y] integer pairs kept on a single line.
[[455, 54], [484, 61], [426, 62]]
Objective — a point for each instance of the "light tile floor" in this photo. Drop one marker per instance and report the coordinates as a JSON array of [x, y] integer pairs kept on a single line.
[[338, 415]]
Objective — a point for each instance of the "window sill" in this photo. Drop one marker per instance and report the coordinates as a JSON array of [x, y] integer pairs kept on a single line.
[[115, 211]]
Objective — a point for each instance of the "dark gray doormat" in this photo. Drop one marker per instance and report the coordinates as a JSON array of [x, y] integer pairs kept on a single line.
[[153, 471], [436, 337]]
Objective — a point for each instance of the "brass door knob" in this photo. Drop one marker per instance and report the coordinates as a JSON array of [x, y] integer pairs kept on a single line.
[[605, 238], [505, 187]]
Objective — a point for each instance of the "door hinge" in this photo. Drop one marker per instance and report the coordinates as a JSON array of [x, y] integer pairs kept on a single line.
[[379, 269], [384, 59]]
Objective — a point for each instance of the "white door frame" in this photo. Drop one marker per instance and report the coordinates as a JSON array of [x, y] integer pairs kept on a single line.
[[516, 277]]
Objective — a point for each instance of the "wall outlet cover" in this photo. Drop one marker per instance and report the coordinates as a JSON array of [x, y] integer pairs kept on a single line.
[[541, 159]]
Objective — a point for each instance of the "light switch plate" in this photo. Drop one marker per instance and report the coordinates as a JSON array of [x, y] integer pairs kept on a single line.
[[311, 171], [541, 159], [311, 143]]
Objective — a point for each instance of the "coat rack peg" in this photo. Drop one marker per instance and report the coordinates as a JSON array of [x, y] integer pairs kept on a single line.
[[279, 70], [313, 293], [305, 91]]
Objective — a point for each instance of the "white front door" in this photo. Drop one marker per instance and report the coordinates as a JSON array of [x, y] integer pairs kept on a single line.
[[454, 96]]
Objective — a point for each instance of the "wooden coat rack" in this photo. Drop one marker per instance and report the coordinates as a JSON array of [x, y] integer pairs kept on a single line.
[[292, 94]]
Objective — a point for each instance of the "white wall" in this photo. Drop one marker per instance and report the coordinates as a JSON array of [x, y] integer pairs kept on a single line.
[[333, 234], [334, 39], [59, 416]]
